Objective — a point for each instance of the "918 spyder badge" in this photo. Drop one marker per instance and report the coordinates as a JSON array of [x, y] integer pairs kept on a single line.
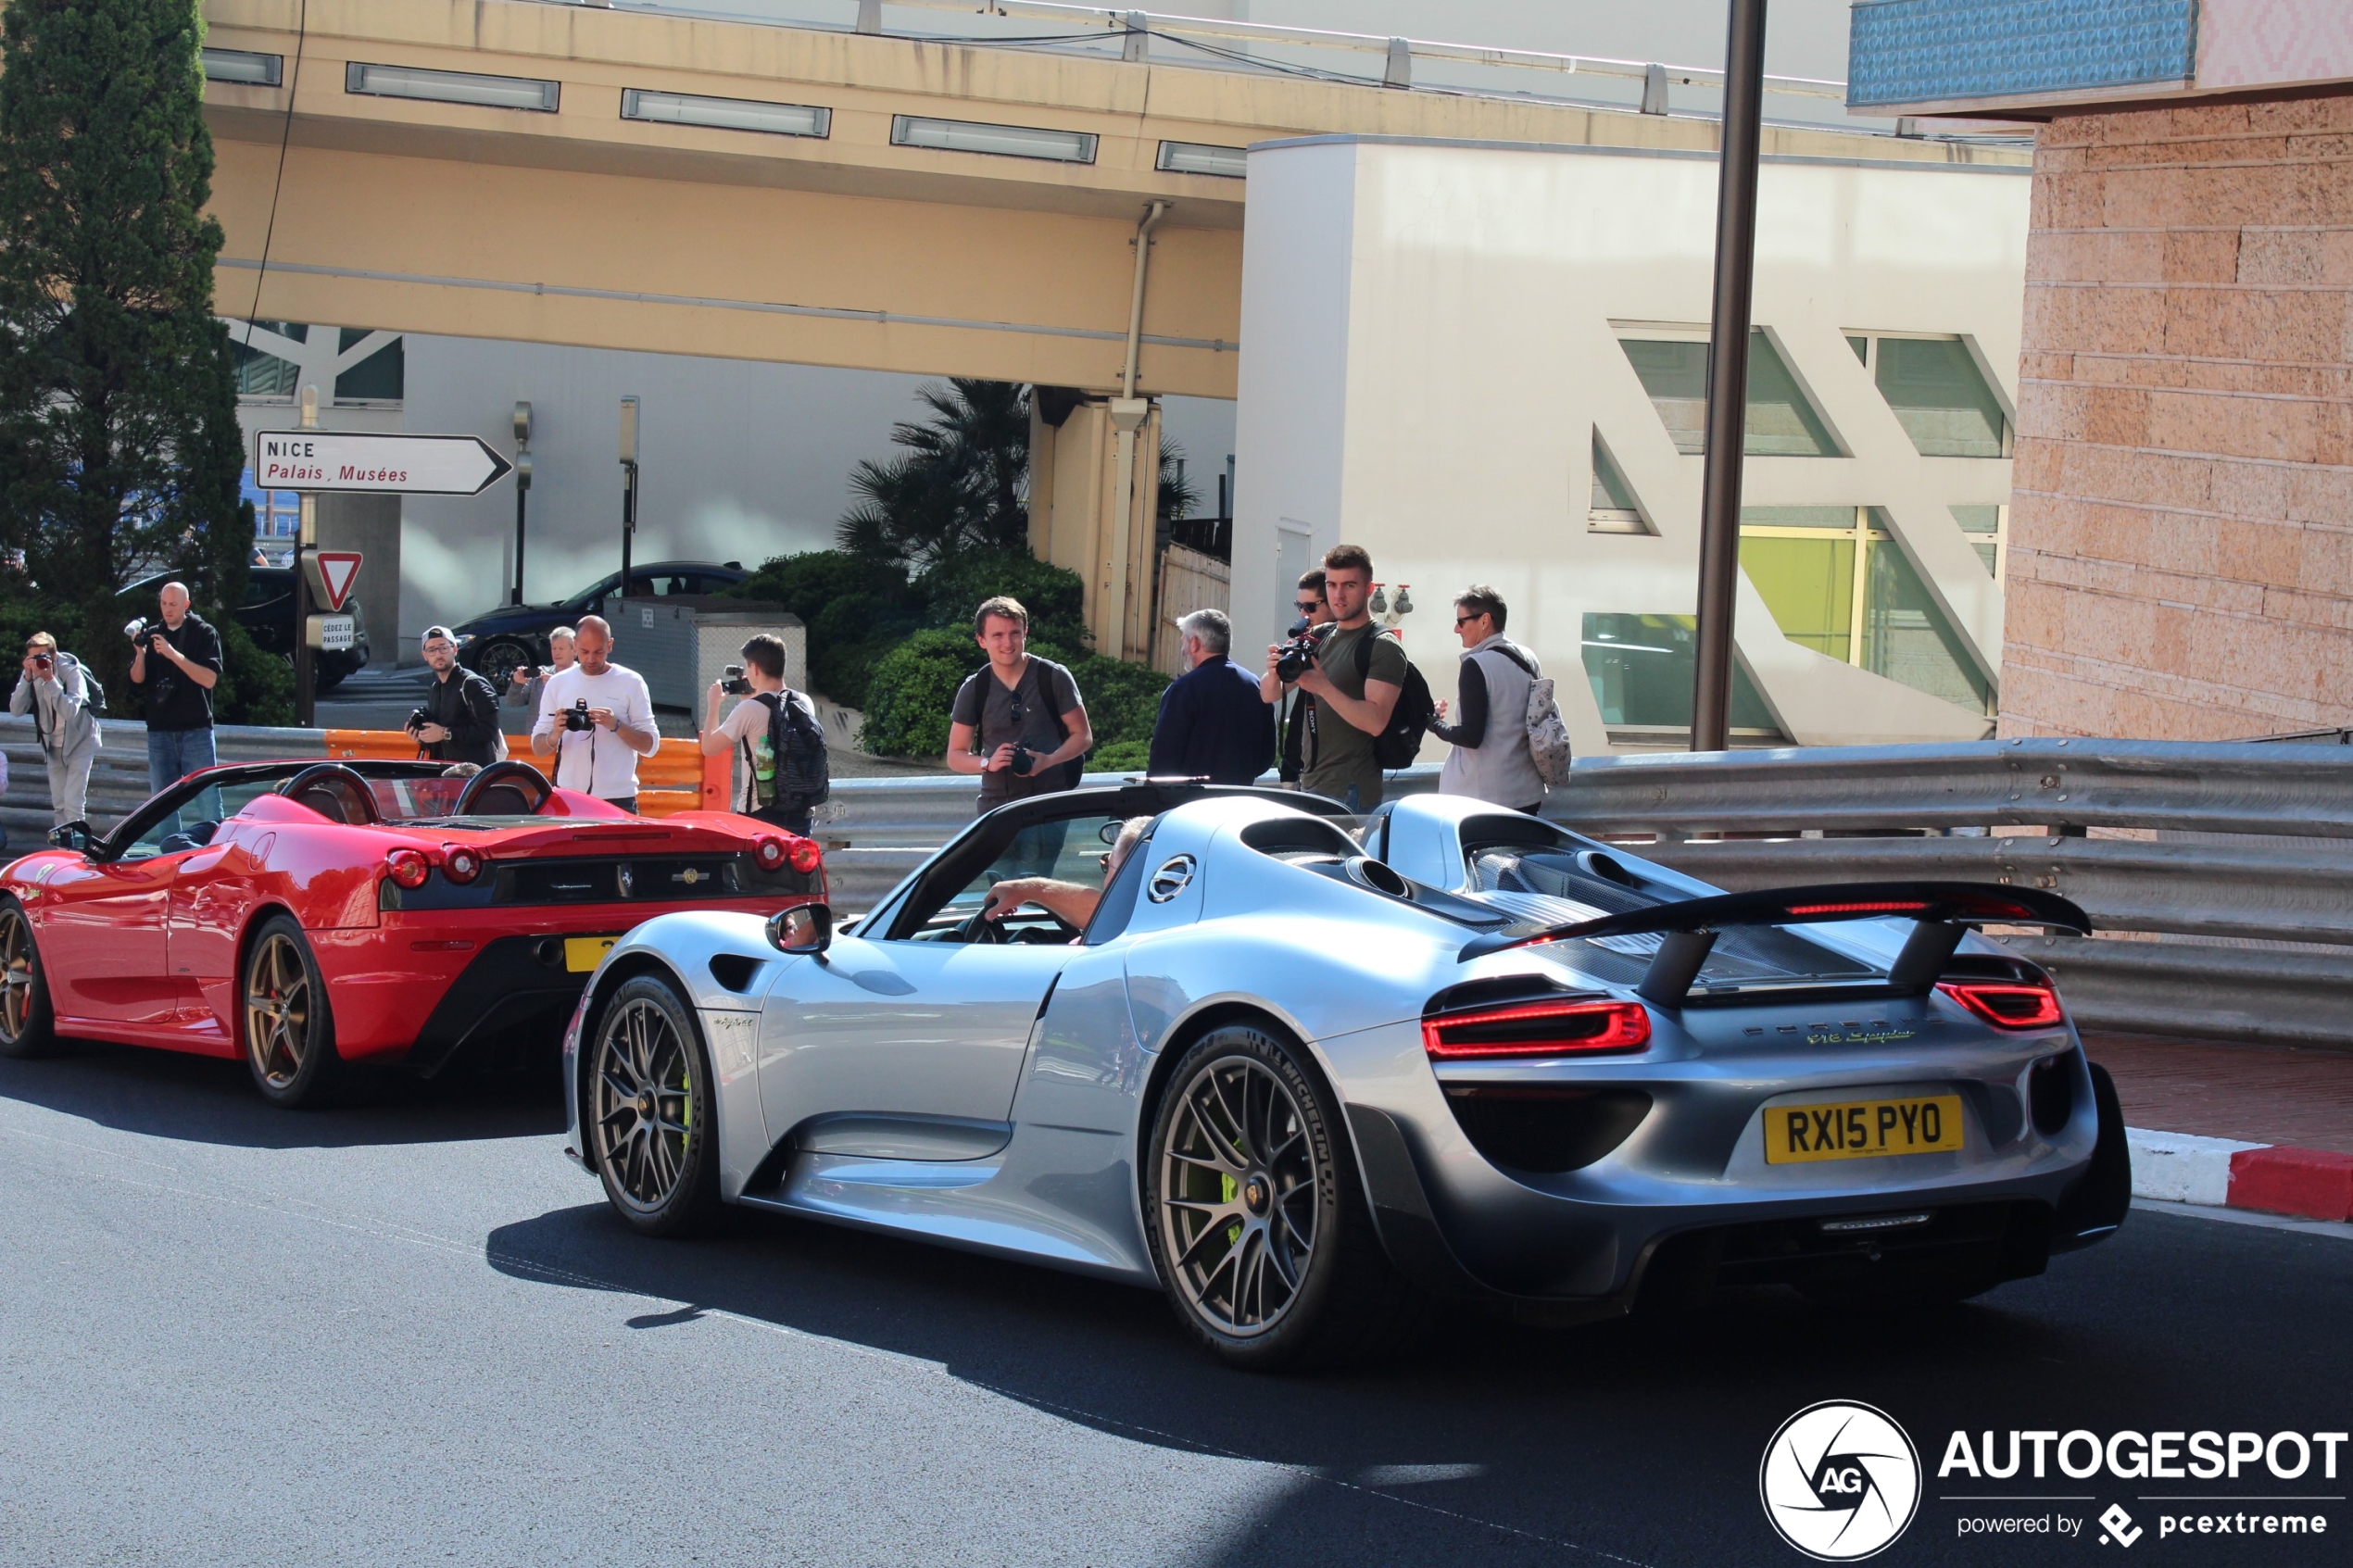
[[1840, 1481]]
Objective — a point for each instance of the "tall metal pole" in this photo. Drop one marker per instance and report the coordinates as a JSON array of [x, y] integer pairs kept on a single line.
[[1719, 527], [306, 546], [628, 490], [523, 485]]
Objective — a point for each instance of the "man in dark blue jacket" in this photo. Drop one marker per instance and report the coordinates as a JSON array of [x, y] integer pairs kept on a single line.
[[1213, 723]]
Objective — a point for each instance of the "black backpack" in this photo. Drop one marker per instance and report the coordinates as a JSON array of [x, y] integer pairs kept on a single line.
[[1400, 740], [804, 773]]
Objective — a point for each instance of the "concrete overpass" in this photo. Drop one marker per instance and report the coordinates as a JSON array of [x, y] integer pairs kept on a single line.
[[348, 199]]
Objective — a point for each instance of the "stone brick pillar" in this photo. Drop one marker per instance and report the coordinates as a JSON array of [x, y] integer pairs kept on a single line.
[[2182, 533]]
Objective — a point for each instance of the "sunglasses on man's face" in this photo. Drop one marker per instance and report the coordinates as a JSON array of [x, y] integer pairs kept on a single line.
[[1463, 621], [1309, 607]]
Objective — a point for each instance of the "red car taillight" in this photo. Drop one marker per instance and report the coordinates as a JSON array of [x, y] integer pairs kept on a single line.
[[2008, 1004], [462, 866], [408, 868], [1539, 1028], [806, 856], [770, 853]]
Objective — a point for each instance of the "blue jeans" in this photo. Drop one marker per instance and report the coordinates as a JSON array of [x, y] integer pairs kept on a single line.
[[172, 755]]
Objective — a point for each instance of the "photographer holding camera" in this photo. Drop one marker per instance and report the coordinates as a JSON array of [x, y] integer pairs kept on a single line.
[[530, 681], [786, 772], [459, 720], [1354, 673], [596, 695], [173, 668], [63, 701], [1019, 721]]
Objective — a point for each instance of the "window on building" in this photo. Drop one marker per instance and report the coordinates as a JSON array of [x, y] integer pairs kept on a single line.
[[380, 378], [1836, 581], [1641, 668], [1613, 509], [1782, 422], [263, 377], [1988, 528], [277, 517], [1940, 397]]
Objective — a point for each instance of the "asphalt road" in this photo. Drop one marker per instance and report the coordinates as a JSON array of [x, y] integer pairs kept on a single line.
[[410, 1333]]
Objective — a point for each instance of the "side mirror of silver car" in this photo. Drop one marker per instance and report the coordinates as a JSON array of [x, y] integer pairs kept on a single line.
[[805, 928]]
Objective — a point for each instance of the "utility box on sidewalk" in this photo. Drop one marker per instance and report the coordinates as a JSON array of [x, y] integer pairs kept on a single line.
[[680, 643]]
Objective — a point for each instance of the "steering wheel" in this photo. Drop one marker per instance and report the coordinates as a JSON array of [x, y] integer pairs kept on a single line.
[[340, 783], [509, 777], [979, 928]]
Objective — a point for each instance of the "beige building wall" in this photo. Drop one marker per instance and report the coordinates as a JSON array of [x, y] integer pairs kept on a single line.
[[2181, 531]]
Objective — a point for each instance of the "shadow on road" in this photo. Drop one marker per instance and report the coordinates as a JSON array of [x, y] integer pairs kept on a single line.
[[1516, 1440], [205, 1099]]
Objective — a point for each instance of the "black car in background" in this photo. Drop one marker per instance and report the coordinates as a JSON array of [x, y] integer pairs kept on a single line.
[[268, 616], [514, 634]]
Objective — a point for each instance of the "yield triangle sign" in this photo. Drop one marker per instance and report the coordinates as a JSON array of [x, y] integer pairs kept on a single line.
[[337, 570]]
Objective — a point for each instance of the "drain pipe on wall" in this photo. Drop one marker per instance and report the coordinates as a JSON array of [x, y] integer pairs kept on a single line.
[[1127, 412]]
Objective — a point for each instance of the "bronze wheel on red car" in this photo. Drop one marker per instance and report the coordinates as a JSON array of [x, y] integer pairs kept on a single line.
[[289, 1030], [649, 1110], [25, 1018]]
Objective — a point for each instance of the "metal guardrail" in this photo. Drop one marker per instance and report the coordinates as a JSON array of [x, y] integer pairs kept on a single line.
[[2219, 876]]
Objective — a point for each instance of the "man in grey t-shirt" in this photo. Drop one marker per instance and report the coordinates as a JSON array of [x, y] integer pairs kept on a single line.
[[1354, 691], [1016, 704]]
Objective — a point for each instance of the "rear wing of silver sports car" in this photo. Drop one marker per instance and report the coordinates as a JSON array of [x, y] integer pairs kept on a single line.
[[1944, 910]]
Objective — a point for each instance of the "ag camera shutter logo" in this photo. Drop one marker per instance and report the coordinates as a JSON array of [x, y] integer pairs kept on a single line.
[[1840, 1481]]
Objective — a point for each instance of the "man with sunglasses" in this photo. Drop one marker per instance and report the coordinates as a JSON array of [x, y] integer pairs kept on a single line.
[[1292, 712], [1492, 760]]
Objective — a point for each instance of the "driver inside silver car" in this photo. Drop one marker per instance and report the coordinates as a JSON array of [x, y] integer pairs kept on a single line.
[[1072, 903]]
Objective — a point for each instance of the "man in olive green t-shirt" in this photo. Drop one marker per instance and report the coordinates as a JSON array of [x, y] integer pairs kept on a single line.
[[1348, 710]]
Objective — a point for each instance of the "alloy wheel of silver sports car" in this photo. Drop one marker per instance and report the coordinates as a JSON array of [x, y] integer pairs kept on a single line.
[[648, 1110], [24, 1004], [1239, 1198]]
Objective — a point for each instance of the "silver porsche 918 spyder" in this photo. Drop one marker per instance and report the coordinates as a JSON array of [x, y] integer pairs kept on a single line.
[[1309, 1075]]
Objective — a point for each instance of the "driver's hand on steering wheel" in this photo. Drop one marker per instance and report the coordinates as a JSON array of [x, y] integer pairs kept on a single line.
[[1010, 894]]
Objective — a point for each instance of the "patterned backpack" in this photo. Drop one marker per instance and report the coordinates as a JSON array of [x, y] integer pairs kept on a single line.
[[1547, 735]]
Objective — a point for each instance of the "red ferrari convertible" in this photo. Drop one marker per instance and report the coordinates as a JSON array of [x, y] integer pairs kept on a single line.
[[310, 915]]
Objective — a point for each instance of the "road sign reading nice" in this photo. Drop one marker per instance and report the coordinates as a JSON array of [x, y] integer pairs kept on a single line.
[[409, 465]]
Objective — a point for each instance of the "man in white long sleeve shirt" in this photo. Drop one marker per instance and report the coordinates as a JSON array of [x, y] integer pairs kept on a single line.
[[601, 760]]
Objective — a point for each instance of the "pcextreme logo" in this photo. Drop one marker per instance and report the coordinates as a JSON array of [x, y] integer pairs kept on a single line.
[[1840, 1481]]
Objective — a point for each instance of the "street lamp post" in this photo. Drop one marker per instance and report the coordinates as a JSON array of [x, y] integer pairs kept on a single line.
[[523, 486], [1719, 527], [305, 548], [628, 489]]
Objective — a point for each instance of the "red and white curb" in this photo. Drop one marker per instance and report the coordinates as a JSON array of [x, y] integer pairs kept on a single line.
[[2225, 1172]]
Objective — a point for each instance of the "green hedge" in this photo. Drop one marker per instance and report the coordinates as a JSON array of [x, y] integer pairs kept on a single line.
[[897, 650]]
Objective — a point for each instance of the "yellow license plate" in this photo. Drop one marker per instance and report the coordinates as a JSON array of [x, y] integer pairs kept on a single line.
[[1862, 1129], [584, 953]]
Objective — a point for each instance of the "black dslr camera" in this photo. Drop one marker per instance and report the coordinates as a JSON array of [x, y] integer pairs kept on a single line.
[[1292, 660], [418, 719], [577, 717], [734, 684], [1022, 761], [141, 632]]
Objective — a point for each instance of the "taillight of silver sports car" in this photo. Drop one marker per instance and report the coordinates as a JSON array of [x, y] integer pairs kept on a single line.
[[1310, 1075], [310, 916]]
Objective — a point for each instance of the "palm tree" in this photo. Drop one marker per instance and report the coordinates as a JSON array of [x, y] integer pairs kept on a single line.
[[961, 485]]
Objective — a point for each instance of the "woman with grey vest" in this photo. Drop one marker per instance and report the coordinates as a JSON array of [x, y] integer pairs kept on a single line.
[[1490, 760], [55, 691]]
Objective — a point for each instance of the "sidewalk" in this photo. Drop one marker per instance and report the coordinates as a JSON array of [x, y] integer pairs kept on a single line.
[[2251, 1126]]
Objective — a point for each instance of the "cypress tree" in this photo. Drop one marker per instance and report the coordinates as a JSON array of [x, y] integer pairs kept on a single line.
[[120, 449]]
